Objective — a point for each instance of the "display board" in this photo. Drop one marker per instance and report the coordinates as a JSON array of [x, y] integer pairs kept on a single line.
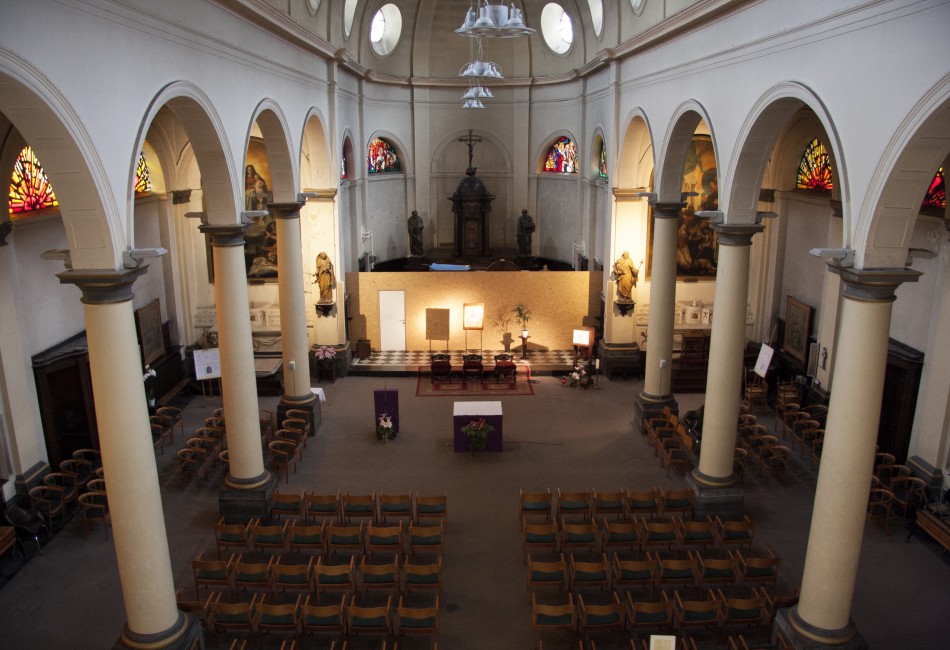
[[437, 324], [208, 363]]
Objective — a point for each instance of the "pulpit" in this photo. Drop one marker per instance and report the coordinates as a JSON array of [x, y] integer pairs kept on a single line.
[[471, 204]]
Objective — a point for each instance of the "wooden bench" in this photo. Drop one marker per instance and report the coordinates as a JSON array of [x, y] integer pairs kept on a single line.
[[937, 528]]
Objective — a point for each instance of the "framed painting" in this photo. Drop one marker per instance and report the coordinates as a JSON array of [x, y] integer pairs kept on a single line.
[[797, 327], [148, 320], [697, 244], [260, 239]]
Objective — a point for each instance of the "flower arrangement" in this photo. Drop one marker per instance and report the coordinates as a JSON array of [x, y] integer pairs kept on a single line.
[[477, 432], [580, 372], [324, 352], [384, 428]]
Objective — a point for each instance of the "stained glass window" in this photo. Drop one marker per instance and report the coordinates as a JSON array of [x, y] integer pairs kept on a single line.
[[143, 180], [382, 157], [29, 187], [814, 170], [603, 160], [936, 197], [343, 168], [562, 157]]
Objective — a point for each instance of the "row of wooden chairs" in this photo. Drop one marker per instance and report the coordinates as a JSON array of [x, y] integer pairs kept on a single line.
[[345, 507], [591, 504], [79, 481], [275, 577], [653, 571], [715, 611], [636, 535], [329, 538], [255, 618]]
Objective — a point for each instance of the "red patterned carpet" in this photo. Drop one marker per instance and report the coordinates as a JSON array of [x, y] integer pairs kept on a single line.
[[485, 388]]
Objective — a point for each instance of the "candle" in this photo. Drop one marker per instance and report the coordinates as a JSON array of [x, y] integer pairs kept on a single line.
[[597, 363]]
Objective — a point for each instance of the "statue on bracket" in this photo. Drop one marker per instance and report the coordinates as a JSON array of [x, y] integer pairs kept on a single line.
[[525, 230], [415, 234], [625, 273], [324, 277]]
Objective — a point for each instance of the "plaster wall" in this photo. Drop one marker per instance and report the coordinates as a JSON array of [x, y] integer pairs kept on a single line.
[[803, 274], [559, 301]]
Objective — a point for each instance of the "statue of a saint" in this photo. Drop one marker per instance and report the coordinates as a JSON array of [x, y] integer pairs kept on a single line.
[[324, 277], [525, 230], [415, 234], [625, 273]]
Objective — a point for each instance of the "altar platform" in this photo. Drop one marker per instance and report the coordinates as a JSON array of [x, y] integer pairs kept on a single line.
[[406, 363]]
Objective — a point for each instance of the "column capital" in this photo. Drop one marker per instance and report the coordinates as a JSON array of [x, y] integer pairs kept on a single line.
[[873, 285], [289, 210], [224, 235], [737, 234], [667, 210], [6, 227], [100, 287], [181, 196]]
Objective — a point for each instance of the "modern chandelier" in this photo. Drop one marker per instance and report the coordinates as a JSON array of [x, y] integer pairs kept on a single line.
[[484, 19]]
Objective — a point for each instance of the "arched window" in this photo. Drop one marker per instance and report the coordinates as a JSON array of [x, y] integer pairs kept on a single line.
[[382, 157], [936, 198], [562, 157], [814, 170], [143, 180], [30, 189], [602, 170]]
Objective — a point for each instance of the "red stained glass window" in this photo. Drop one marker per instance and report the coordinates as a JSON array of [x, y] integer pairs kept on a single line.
[[382, 157], [814, 170], [562, 157], [936, 197], [30, 189]]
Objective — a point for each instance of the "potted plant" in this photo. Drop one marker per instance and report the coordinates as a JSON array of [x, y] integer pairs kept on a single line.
[[324, 355], [502, 323], [522, 315], [384, 428], [477, 432]]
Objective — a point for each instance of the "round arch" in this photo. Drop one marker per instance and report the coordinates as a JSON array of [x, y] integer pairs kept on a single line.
[[546, 144], [635, 153], [48, 123], [319, 169], [671, 159], [283, 166]]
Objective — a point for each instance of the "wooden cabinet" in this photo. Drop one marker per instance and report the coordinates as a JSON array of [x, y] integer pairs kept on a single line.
[[899, 401]]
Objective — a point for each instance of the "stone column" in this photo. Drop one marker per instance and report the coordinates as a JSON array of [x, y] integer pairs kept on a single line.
[[658, 373], [844, 477], [724, 375], [128, 459], [248, 484], [293, 315]]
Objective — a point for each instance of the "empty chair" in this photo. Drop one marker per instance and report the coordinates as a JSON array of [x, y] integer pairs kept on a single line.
[[228, 536], [879, 508], [440, 368], [361, 506], [430, 507], [649, 615], [629, 574], [658, 534], [817, 412], [267, 423], [589, 574], [88, 455], [193, 463], [606, 504], [676, 450], [505, 367], [174, 417], [774, 459], [212, 574], [344, 538], [756, 570], [267, 537], [95, 509], [276, 617], [167, 425], [397, 506], [27, 524], [539, 537], [472, 367], [641, 503], [735, 533], [415, 621], [378, 577], [386, 539], [888, 472], [673, 572], [254, 576], [657, 419], [323, 619], [799, 427], [369, 620], [321, 506], [291, 577], [750, 611], [715, 571], [547, 574], [536, 503], [578, 536], [66, 483], [49, 501], [294, 435], [547, 618], [677, 501], [788, 421], [910, 493], [573, 504], [695, 534], [284, 456], [307, 537], [422, 576], [756, 388], [696, 614], [601, 617], [620, 534], [334, 577], [228, 617], [300, 426], [286, 505], [426, 539]]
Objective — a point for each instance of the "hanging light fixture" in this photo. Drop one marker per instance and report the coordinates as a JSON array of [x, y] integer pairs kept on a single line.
[[472, 103], [494, 21]]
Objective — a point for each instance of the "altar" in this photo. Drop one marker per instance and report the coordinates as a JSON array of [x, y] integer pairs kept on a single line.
[[465, 412]]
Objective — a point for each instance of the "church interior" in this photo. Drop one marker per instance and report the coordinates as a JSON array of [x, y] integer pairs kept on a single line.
[[695, 246]]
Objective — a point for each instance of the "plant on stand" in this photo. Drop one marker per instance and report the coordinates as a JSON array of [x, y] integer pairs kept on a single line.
[[477, 432], [149, 385], [384, 428], [522, 315], [501, 321]]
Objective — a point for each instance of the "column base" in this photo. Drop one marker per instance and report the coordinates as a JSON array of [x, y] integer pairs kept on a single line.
[[239, 506], [726, 499], [182, 636], [646, 406], [803, 636], [309, 403]]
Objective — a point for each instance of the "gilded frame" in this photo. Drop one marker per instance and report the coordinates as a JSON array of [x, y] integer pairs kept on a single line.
[[797, 328]]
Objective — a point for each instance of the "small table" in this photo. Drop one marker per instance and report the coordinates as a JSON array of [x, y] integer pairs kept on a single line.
[[524, 346], [465, 412]]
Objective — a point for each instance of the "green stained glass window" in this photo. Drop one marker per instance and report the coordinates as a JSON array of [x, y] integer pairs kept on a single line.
[[30, 189], [603, 160], [814, 170]]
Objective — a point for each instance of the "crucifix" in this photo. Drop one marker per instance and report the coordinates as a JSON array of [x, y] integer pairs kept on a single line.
[[470, 141]]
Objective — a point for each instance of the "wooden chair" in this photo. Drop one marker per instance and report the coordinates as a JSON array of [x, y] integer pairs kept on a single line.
[[696, 614], [159, 438], [174, 416], [505, 368], [676, 450], [88, 455], [386, 539], [910, 494], [334, 577], [649, 615], [95, 508], [774, 459], [754, 570], [788, 420], [643, 502], [67, 485], [276, 617], [300, 426], [341, 537], [426, 539], [291, 577], [660, 418], [359, 506], [227, 536], [231, 617], [536, 503], [50, 502], [539, 537], [578, 535], [286, 505], [593, 574], [212, 574], [734, 533], [427, 576], [715, 571], [321, 506], [607, 504], [251, 576], [440, 368], [799, 427], [472, 367], [658, 534], [601, 617], [695, 534], [307, 537], [417, 621], [167, 425], [323, 619], [558, 618], [677, 501], [369, 620], [756, 388], [675, 573], [879, 508], [889, 472], [629, 574], [267, 537], [817, 412], [750, 611], [284, 455], [377, 577], [574, 504], [620, 534], [394, 505], [427, 507], [547, 575], [193, 463], [82, 467]]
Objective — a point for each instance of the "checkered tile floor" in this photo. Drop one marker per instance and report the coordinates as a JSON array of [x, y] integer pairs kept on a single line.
[[539, 360]]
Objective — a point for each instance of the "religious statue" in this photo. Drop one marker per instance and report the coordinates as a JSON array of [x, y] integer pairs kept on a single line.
[[525, 229], [415, 234], [324, 277], [625, 273]]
